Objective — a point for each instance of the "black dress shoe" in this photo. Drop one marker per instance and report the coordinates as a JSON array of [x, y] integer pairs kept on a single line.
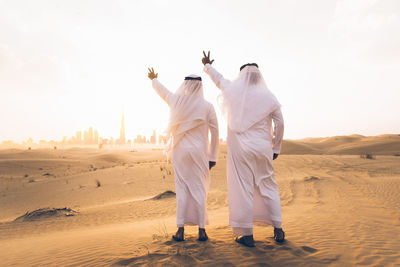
[[246, 240], [202, 235], [279, 235]]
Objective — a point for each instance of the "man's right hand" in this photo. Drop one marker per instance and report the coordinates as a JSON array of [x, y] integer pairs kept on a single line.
[[151, 74], [206, 58]]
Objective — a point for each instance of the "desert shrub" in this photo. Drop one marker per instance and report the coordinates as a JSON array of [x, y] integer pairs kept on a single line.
[[162, 232], [367, 156]]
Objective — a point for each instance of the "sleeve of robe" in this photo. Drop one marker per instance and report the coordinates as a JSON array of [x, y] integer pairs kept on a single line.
[[213, 127], [278, 131], [217, 77], [163, 92]]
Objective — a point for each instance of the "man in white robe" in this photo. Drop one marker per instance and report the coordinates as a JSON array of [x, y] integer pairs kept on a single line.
[[250, 108], [191, 119]]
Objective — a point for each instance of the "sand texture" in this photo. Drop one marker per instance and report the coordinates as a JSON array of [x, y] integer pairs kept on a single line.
[[91, 207]]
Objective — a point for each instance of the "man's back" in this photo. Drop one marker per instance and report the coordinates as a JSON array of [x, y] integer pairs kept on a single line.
[[196, 139]]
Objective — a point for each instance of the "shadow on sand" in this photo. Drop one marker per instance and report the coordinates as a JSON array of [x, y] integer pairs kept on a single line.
[[224, 253]]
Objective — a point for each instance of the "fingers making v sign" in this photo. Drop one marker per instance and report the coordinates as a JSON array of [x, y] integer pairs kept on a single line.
[[151, 74], [206, 58]]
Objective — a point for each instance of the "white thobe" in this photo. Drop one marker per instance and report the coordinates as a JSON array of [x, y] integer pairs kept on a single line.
[[253, 193], [190, 159]]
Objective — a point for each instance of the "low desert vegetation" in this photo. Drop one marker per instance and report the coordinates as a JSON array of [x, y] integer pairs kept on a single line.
[[367, 156]]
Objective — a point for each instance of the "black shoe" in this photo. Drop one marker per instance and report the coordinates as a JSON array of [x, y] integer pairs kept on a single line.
[[246, 240], [202, 235], [279, 235], [179, 235]]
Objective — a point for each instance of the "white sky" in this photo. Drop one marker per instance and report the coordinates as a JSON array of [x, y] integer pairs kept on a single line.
[[68, 65]]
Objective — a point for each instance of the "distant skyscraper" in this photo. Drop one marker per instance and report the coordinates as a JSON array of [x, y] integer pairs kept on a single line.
[[122, 132], [153, 137], [90, 141], [78, 137], [86, 137], [95, 137]]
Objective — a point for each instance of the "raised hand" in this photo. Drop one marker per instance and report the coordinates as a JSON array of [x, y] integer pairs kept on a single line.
[[206, 58], [151, 74]]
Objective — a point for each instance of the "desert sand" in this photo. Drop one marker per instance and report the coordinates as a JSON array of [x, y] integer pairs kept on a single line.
[[338, 209]]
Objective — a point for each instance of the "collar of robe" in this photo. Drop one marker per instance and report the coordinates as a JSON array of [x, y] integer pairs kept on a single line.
[[248, 64], [193, 78]]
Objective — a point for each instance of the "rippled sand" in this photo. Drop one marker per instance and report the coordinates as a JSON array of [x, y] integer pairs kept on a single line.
[[337, 210]]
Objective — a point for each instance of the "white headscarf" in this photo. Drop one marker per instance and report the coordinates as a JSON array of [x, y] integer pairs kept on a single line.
[[187, 111], [248, 100]]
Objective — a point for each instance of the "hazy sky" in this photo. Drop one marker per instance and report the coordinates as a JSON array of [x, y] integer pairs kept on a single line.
[[68, 65]]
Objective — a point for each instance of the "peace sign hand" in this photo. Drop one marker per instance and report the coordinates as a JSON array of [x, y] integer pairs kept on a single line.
[[151, 74], [206, 58]]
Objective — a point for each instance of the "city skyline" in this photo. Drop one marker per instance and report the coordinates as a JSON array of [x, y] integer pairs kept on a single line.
[[91, 137]]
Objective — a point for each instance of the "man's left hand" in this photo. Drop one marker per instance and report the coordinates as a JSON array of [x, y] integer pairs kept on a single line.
[[275, 156], [151, 74], [211, 164]]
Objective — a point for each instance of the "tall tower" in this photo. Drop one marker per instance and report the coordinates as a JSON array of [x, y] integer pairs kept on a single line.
[[122, 131], [90, 135], [96, 137], [153, 138]]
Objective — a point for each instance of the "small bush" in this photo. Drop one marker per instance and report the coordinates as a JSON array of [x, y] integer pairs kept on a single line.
[[367, 156]]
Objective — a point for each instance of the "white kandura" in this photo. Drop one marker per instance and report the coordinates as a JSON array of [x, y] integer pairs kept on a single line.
[[191, 119], [250, 108]]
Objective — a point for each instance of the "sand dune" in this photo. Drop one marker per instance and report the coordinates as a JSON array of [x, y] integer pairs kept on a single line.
[[338, 210], [344, 145], [45, 213]]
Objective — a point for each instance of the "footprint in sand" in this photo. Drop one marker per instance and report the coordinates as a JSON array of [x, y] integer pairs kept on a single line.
[[269, 247], [169, 242], [228, 264], [246, 254], [261, 264], [311, 178], [309, 249], [191, 246]]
